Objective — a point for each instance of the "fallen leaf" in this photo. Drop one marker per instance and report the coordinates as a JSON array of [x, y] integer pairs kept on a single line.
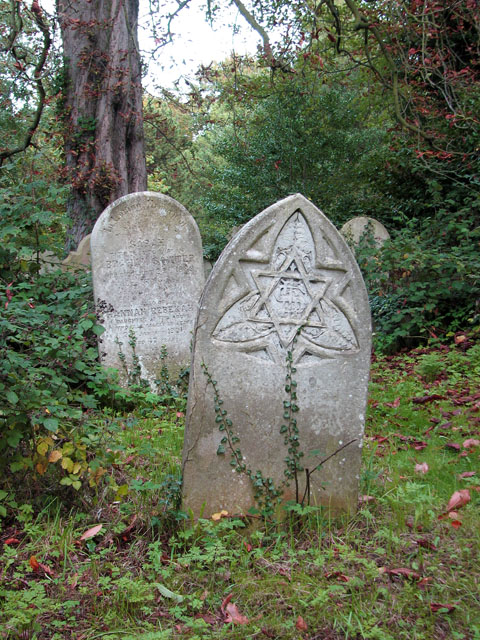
[[217, 516], [12, 541], [453, 445], [421, 467], [456, 524], [458, 499], [394, 404], [405, 572], [91, 533], [34, 563], [467, 474], [366, 499], [425, 399], [231, 612], [426, 544], [338, 575], [300, 624], [471, 442], [437, 606]]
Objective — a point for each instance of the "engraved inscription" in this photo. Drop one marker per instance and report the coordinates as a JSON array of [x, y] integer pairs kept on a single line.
[[290, 298]]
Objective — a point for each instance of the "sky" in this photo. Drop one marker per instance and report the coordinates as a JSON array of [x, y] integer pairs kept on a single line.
[[196, 42]]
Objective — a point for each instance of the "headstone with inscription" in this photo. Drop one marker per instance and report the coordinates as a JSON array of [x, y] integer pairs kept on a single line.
[[285, 287], [147, 270]]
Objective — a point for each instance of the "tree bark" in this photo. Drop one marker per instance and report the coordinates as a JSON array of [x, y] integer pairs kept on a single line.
[[102, 107]]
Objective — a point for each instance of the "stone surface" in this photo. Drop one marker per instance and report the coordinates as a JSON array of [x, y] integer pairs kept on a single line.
[[80, 258], [356, 228], [287, 270], [147, 270]]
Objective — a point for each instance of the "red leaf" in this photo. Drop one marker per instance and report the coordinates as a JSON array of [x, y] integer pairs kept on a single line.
[[426, 544], [301, 625], [436, 606], [232, 614], [394, 404], [453, 445], [467, 474], [456, 524], [12, 541], [405, 572], [425, 399], [421, 468], [91, 533], [458, 499], [471, 442]]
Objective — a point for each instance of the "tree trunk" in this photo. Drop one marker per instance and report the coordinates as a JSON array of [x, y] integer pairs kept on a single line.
[[104, 141]]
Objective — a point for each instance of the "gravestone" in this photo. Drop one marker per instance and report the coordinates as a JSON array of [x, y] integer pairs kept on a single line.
[[80, 258], [361, 227], [147, 270], [287, 283]]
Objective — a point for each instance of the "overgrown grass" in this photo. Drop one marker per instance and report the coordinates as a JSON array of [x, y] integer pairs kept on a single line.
[[402, 568]]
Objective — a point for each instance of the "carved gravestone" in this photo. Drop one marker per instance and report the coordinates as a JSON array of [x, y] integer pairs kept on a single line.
[[147, 270], [286, 286]]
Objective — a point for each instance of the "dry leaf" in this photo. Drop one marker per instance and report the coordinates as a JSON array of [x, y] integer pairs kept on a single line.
[[34, 563], [421, 468], [301, 625], [217, 516], [458, 499], [55, 456], [467, 474], [471, 442], [436, 606], [405, 572], [90, 533], [366, 499], [232, 614]]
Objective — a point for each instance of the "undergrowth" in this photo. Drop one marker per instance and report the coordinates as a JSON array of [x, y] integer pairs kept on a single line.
[[121, 560]]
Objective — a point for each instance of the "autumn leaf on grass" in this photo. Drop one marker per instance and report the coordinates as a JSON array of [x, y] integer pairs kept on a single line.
[[459, 499], [301, 625], [231, 612], [91, 533], [422, 467], [38, 566], [467, 474], [405, 572], [442, 608], [470, 443]]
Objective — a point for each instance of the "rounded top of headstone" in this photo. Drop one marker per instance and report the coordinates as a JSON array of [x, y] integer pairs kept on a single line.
[[357, 228]]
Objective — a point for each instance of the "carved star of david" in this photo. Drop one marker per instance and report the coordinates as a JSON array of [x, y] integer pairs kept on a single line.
[[287, 299], [292, 288]]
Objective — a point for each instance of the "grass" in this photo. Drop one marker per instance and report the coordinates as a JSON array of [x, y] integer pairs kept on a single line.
[[401, 568]]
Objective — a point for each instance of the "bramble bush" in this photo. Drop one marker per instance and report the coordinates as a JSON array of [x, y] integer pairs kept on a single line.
[[420, 285]]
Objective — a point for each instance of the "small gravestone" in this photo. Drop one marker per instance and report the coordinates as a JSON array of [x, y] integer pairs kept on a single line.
[[80, 258], [286, 286], [364, 228], [147, 269]]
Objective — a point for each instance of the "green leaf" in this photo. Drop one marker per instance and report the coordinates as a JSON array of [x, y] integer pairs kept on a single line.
[[169, 594], [98, 329], [220, 450], [12, 397], [51, 424]]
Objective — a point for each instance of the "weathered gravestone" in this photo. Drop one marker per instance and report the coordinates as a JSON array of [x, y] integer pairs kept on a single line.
[[286, 283], [147, 270], [363, 227], [80, 258]]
